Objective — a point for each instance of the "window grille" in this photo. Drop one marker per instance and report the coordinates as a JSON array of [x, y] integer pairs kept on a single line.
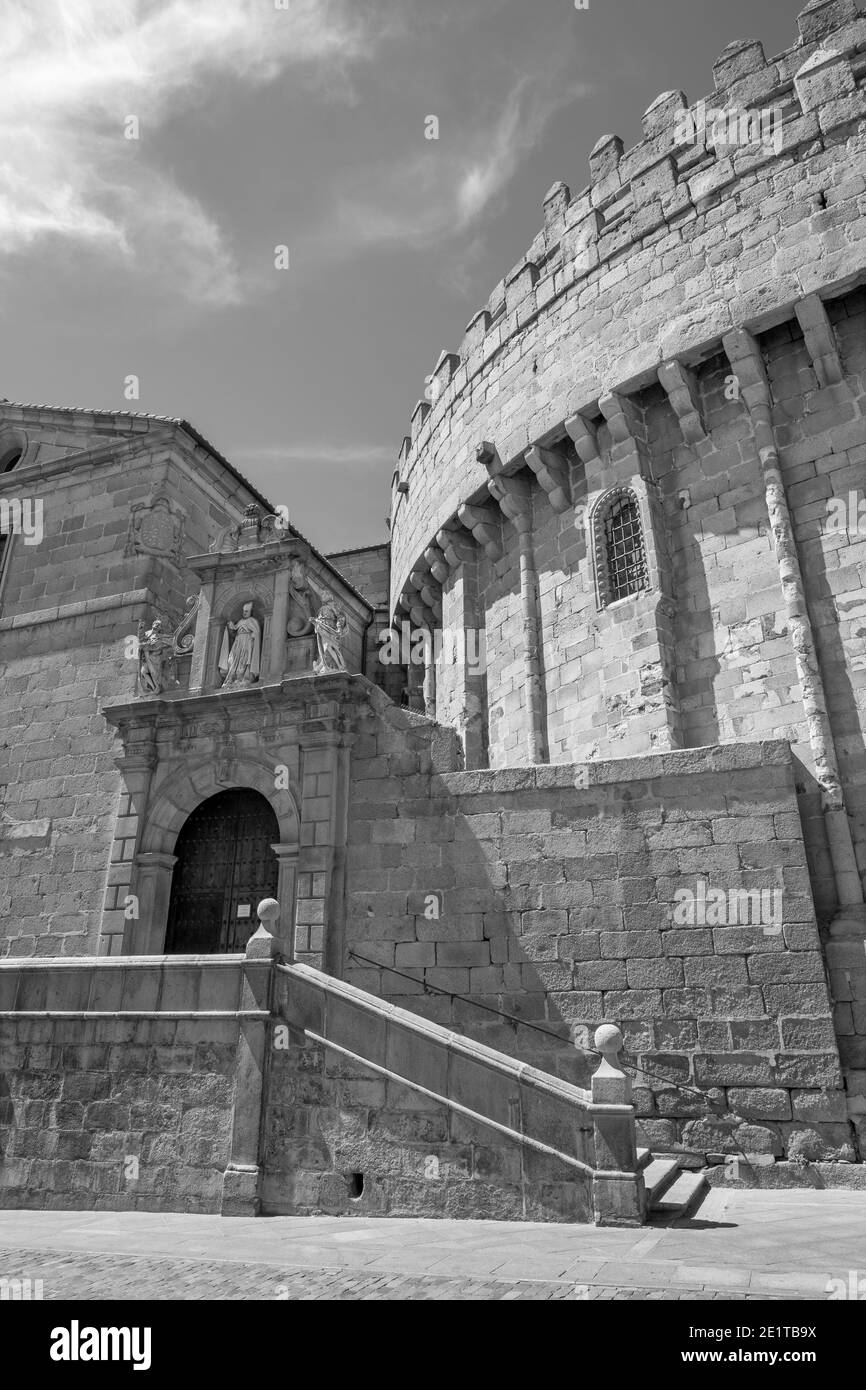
[[624, 551]]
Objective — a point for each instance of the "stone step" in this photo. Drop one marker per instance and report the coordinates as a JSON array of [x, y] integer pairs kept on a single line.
[[658, 1176], [680, 1199], [644, 1157]]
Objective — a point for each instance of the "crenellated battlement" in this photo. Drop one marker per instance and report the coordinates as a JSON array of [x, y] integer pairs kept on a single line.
[[726, 213], [688, 158]]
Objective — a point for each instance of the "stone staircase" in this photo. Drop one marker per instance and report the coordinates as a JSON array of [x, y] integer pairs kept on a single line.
[[551, 1150], [673, 1191]]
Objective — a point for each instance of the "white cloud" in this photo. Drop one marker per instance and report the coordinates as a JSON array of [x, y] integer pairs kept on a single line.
[[338, 455], [444, 189], [73, 70]]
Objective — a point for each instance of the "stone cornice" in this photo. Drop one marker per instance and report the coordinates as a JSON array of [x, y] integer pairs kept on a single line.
[[299, 694]]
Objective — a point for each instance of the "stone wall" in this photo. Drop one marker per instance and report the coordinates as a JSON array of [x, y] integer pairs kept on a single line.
[[551, 894], [108, 1098], [70, 604], [331, 1122]]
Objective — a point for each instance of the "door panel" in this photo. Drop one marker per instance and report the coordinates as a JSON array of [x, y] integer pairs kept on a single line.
[[225, 866]]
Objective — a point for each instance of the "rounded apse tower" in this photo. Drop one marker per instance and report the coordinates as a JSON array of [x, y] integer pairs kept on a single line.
[[615, 495]]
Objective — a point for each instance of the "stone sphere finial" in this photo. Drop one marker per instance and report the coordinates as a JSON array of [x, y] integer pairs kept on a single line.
[[608, 1041], [268, 910]]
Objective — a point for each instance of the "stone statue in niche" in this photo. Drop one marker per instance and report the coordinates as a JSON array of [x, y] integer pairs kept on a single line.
[[301, 597], [240, 660], [330, 624], [156, 653]]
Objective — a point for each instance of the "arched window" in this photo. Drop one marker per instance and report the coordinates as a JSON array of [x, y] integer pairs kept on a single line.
[[9, 459], [620, 550]]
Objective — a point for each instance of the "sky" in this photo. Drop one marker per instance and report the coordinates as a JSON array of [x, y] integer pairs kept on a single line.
[[155, 154]]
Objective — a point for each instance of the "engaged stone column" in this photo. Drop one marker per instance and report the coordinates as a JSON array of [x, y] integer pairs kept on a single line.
[[845, 953], [515, 500], [745, 357], [133, 917], [468, 649], [151, 887], [242, 1176], [287, 871]]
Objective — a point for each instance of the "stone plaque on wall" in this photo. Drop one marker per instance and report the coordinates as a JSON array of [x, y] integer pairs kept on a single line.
[[156, 528]]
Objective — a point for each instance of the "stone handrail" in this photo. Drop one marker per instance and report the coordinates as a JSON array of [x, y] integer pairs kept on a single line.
[[591, 1132]]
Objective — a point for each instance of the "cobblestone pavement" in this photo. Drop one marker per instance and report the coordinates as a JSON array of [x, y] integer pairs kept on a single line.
[[744, 1245], [75, 1275]]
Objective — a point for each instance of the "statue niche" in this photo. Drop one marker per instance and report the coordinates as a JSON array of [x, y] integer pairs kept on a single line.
[[302, 601], [241, 651]]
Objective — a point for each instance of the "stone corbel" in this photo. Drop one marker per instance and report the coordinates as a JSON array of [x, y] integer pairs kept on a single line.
[[682, 390], [512, 493], [624, 421], [484, 527], [584, 436], [420, 580], [552, 473], [439, 566], [820, 338], [456, 547], [420, 616], [514, 498]]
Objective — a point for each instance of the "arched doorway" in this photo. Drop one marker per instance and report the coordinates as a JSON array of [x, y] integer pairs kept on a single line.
[[225, 866]]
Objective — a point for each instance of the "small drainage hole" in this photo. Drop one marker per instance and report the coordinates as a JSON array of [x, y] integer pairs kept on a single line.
[[355, 1182]]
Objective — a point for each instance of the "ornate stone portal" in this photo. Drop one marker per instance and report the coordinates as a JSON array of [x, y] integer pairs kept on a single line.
[[269, 703]]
